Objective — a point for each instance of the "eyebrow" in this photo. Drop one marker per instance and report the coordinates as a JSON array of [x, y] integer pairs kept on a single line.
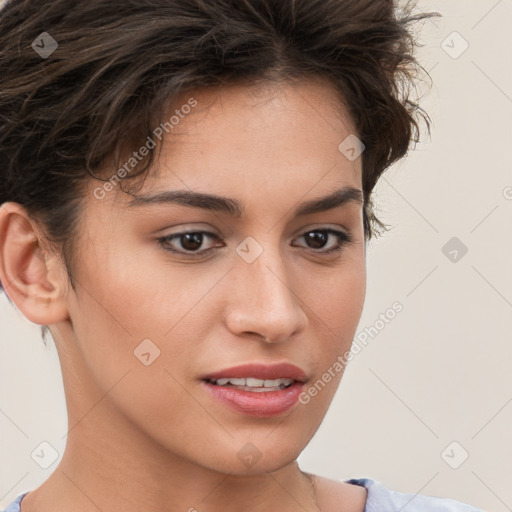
[[236, 209]]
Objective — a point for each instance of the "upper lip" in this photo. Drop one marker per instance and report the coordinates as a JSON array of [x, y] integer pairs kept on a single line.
[[261, 371]]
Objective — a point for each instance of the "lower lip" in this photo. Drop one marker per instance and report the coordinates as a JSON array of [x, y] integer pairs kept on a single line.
[[257, 404]]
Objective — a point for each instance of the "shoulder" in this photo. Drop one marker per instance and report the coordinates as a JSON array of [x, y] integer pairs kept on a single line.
[[15, 505], [332, 495], [382, 499]]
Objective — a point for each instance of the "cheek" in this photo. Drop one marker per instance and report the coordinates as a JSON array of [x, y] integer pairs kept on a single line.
[[139, 294], [339, 303], [339, 297], [125, 300], [124, 352], [336, 308]]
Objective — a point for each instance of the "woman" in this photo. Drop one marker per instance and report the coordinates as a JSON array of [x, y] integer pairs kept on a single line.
[[186, 199]]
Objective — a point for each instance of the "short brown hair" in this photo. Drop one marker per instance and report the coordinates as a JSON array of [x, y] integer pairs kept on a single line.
[[118, 64]]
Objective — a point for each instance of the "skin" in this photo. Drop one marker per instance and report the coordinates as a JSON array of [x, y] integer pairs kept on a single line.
[[152, 435]]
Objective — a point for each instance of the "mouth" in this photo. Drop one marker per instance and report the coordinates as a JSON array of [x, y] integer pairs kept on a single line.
[[257, 390], [253, 384]]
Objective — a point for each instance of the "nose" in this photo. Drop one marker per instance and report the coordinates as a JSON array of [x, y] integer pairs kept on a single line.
[[262, 300]]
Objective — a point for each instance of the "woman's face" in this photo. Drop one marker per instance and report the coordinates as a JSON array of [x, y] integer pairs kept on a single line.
[[158, 317]]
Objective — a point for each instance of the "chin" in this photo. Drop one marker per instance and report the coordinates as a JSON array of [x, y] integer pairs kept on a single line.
[[258, 455]]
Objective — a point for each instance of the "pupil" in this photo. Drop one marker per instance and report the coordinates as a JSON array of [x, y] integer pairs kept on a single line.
[[192, 241], [318, 239]]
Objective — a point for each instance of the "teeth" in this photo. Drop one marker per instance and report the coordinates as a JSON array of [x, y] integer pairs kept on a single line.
[[237, 382], [254, 383], [251, 382], [277, 382]]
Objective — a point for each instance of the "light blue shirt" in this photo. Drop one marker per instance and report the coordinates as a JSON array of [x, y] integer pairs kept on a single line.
[[380, 499]]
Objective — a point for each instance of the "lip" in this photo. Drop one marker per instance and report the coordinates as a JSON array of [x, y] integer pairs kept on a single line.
[[258, 404], [261, 371]]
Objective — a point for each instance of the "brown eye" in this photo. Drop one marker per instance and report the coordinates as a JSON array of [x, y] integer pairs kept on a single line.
[[318, 239], [187, 243], [191, 241]]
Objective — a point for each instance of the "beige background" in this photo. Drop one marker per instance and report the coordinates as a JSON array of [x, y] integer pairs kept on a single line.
[[440, 371]]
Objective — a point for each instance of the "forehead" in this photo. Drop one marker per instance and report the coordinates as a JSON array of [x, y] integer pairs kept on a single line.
[[263, 113], [243, 139]]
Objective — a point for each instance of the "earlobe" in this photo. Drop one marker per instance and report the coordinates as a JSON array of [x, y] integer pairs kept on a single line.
[[33, 284]]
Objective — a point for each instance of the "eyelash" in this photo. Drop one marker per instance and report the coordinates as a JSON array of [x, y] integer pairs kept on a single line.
[[343, 240]]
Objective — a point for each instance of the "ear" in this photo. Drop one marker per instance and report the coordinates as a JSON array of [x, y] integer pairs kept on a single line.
[[31, 276]]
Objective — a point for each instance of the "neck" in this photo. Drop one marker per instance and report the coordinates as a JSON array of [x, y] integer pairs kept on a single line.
[[129, 479], [110, 464]]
